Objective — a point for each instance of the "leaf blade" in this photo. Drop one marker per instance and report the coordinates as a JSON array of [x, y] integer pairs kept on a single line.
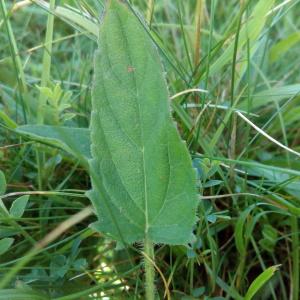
[[18, 206], [140, 168], [5, 244], [259, 281], [2, 183], [73, 140]]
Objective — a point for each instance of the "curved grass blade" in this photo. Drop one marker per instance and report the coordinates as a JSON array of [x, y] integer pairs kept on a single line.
[[22, 294], [259, 281]]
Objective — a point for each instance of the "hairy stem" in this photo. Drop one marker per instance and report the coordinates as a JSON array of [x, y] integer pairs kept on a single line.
[[149, 269]]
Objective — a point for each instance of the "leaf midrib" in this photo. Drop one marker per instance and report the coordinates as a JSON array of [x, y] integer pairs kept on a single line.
[[146, 213]]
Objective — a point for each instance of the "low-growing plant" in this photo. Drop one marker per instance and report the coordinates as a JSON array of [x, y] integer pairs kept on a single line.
[[215, 217], [144, 187]]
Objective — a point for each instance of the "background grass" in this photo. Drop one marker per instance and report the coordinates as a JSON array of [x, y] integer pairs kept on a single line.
[[246, 55]]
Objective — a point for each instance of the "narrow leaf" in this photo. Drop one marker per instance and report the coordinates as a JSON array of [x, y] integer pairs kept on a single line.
[[7, 120], [83, 23], [21, 294], [273, 94], [239, 231], [2, 183], [73, 17], [142, 176], [259, 281], [250, 31]]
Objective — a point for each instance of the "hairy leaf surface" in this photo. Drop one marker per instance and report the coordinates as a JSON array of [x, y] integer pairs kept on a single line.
[[142, 176]]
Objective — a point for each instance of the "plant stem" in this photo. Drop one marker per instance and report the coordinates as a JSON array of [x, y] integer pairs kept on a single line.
[[13, 47], [295, 256], [45, 78], [149, 269], [46, 62], [199, 15], [18, 67]]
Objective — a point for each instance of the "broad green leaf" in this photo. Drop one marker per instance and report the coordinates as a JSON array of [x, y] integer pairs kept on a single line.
[[21, 294], [2, 183], [142, 177], [5, 244], [18, 207], [73, 140], [260, 281]]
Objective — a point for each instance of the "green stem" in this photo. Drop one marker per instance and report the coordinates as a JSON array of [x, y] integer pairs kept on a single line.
[[295, 255], [46, 62], [14, 49], [18, 67], [199, 14], [149, 269], [240, 272], [40, 156]]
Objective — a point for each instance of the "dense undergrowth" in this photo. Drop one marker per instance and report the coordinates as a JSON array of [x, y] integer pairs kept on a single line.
[[232, 69]]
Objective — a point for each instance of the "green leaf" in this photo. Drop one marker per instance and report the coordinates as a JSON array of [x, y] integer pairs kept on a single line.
[[273, 94], [142, 176], [239, 231], [75, 141], [283, 46], [76, 18], [18, 207], [73, 17], [21, 294], [58, 267], [270, 237], [224, 286], [199, 291], [250, 31], [2, 183], [5, 244], [80, 264], [260, 281], [7, 120], [7, 75]]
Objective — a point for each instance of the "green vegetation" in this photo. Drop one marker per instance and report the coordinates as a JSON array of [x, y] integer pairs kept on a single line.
[[232, 71]]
